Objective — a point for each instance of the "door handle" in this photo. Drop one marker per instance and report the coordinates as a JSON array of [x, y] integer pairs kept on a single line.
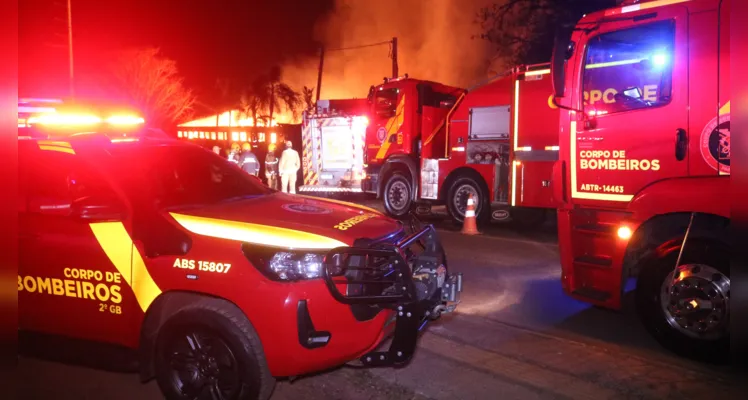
[[681, 144]]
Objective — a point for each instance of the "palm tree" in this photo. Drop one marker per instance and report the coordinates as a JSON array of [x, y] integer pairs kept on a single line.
[[278, 94], [307, 95]]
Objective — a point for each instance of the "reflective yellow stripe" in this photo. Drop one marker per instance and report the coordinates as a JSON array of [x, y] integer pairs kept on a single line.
[[54, 143], [344, 203], [516, 114], [538, 72], [255, 233], [393, 125], [514, 183], [725, 109], [57, 148], [118, 246], [642, 6]]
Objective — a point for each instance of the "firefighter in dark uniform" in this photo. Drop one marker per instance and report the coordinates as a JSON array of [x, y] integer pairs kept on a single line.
[[271, 167]]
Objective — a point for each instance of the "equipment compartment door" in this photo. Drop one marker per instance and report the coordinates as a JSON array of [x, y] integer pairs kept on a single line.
[[635, 94]]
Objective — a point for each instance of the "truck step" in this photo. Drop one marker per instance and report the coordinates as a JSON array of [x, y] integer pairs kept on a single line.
[[592, 293], [593, 261]]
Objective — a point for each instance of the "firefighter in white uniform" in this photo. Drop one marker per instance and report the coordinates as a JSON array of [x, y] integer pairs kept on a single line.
[[289, 166]]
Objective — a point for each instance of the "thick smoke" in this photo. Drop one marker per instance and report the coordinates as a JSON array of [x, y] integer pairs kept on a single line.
[[434, 42]]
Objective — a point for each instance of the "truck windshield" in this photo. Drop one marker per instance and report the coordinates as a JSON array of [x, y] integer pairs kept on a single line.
[[385, 102], [175, 177], [629, 68]]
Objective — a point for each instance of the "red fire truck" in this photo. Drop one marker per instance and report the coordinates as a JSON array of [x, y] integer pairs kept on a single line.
[[430, 144], [333, 146], [644, 166]]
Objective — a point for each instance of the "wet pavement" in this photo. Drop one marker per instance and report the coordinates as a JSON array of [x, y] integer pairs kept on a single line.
[[515, 336]]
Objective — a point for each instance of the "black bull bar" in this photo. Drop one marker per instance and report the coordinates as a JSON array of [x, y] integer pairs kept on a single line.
[[397, 276]]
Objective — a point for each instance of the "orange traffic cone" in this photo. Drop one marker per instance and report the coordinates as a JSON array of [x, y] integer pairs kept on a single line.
[[469, 226]]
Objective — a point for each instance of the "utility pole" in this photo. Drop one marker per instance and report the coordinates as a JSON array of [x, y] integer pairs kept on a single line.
[[394, 57], [319, 73], [70, 47]]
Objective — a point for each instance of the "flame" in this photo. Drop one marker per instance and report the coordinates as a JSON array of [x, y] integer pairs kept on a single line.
[[236, 118]]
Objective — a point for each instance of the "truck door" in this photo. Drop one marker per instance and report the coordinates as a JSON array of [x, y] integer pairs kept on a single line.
[[635, 92], [67, 284]]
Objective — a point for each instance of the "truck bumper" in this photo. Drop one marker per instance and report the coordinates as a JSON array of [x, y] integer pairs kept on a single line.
[[370, 183], [414, 284], [329, 189], [369, 292]]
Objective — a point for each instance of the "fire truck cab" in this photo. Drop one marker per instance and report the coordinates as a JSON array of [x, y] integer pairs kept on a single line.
[[432, 144], [644, 166]]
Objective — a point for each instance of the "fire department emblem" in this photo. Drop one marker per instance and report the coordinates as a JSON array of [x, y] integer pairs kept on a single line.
[[306, 208], [715, 143], [381, 134]]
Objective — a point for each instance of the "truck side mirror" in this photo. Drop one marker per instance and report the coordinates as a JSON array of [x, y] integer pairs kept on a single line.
[[98, 208], [563, 49]]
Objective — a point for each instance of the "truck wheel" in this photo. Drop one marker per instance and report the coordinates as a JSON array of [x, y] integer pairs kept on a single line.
[[458, 196], [397, 195], [689, 315], [209, 351]]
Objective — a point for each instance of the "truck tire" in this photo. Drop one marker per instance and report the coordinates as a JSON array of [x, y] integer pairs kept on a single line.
[[205, 347], [398, 192], [457, 200], [700, 333]]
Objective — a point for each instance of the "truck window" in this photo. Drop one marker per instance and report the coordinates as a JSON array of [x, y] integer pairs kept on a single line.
[[629, 69], [385, 102], [56, 179], [181, 176]]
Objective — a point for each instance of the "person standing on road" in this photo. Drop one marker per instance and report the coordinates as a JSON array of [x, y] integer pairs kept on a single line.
[[271, 167], [289, 166], [248, 161]]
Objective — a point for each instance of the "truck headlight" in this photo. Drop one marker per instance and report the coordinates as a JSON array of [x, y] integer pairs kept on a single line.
[[286, 265], [290, 266]]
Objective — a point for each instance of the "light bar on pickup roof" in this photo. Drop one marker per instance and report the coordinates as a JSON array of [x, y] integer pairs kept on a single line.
[[70, 119], [64, 119]]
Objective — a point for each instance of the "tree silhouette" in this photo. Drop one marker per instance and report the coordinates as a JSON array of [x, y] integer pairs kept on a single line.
[[153, 82], [523, 31], [307, 95]]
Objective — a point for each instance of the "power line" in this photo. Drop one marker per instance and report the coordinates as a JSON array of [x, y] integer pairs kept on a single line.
[[361, 46]]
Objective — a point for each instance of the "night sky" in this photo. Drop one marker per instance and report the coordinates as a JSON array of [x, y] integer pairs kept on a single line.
[[209, 39]]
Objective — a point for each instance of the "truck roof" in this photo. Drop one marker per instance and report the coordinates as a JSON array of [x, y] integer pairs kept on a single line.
[[336, 107]]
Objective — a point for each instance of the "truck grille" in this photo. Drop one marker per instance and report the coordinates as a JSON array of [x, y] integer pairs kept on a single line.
[[374, 272]]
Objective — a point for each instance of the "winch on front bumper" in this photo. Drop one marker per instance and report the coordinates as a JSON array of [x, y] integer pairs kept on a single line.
[[409, 276]]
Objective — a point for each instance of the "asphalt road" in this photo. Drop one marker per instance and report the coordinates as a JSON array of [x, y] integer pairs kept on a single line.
[[515, 336]]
